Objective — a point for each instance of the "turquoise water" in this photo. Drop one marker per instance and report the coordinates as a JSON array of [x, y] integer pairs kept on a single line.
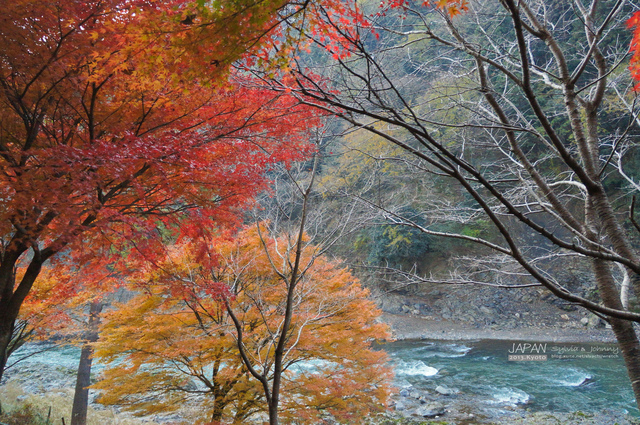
[[574, 377], [46, 354], [586, 377]]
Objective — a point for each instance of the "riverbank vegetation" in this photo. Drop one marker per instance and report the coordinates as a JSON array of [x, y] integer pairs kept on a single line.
[[50, 407]]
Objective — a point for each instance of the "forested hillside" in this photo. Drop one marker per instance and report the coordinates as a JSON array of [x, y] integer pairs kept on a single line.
[[411, 226]]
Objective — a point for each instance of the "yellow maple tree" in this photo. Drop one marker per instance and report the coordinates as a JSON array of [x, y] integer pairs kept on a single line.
[[175, 345]]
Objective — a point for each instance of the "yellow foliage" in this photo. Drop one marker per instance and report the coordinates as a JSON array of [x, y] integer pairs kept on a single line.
[[363, 153], [178, 334]]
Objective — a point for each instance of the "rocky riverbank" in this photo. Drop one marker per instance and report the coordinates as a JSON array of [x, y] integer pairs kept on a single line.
[[412, 326], [447, 406], [480, 312]]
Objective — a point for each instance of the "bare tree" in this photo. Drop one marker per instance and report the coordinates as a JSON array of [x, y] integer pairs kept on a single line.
[[291, 209], [524, 105], [291, 273]]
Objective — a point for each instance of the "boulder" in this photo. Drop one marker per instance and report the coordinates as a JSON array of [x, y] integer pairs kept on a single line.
[[415, 394], [426, 398], [487, 311], [441, 389], [595, 321], [431, 410], [399, 406], [190, 385]]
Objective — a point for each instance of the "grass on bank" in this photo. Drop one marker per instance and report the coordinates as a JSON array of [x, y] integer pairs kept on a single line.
[[19, 408]]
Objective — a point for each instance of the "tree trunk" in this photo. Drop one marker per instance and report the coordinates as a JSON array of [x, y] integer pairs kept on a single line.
[[83, 380], [216, 415], [218, 400], [273, 414], [6, 331], [12, 296], [630, 348], [7, 320], [622, 329], [81, 395]]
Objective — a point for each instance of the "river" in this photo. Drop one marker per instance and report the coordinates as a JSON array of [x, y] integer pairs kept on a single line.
[[557, 377], [554, 377]]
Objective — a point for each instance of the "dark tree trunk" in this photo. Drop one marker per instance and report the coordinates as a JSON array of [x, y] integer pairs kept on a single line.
[[20, 333], [273, 414], [216, 415], [218, 399], [7, 319], [12, 296], [6, 332], [83, 380]]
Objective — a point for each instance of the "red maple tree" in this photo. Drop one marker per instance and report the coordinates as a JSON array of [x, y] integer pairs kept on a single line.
[[119, 119], [634, 65]]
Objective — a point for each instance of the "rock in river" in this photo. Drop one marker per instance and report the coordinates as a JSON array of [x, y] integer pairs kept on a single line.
[[441, 389], [431, 410]]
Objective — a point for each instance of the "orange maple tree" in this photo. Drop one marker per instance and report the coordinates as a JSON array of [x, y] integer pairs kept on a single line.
[[120, 118], [177, 338]]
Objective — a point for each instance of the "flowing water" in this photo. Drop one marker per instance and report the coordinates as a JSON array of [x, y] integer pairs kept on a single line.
[[574, 377]]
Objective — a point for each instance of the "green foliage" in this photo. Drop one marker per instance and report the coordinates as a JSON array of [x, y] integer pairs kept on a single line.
[[395, 245], [476, 229]]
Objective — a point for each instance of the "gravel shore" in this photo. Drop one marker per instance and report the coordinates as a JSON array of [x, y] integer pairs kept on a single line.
[[418, 327]]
